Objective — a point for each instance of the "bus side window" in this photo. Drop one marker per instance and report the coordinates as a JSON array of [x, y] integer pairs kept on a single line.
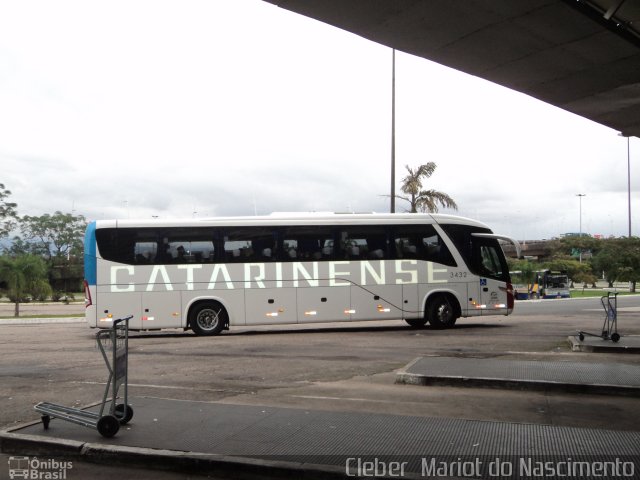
[[436, 250], [145, 252], [235, 250], [264, 249], [290, 249], [364, 243], [422, 242], [406, 248], [306, 243], [377, 246], [250, 245], [352, 248]]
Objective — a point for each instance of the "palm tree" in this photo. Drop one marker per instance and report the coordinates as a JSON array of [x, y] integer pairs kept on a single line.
[[22, 275], [423, 200]]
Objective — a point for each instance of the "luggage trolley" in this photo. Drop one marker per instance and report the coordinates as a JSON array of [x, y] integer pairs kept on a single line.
[[114, 345], [610, 325]]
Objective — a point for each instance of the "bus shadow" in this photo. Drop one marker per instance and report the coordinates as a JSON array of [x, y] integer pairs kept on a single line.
[[247, 331], [306, 330]]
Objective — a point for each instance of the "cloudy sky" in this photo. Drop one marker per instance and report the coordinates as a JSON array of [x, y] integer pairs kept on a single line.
[[139, 108]]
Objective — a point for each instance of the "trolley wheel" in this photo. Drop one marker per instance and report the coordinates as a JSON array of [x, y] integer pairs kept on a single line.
[[581, 337], [615, 337], [45, 421], [120, 413], [108, 426]]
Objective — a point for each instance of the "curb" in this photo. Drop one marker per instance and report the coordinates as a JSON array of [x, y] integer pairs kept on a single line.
[[406, 378], [170, 460], [517, 376], [603, 346]]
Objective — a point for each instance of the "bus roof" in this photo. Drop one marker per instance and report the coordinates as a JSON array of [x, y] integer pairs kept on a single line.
[[292, 219]]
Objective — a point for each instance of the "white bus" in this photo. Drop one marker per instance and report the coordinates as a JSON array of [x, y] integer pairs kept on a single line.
[[208, 275]]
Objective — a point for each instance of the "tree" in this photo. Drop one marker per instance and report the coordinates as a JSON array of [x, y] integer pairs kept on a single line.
[[619, 259], [19, 247], [578, 246], [7, 212], [523, 272], [577, 272], [419, 199], [23, 275], [608, 261], [54, 236]]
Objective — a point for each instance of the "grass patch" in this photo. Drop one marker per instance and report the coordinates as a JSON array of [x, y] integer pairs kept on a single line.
[[43, 315]]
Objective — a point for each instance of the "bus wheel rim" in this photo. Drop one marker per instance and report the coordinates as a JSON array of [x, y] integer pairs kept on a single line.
[[208, 319], [445, 313]]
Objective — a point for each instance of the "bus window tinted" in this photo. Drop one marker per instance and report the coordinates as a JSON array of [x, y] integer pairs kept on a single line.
[[117, 245], [363, 243], [422, 243], [179, 245], [189, 250], [147, 246], [307, 243], [145, 252], [249, 245]]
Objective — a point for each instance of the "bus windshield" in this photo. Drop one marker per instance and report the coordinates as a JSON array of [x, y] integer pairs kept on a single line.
[[483, 256]]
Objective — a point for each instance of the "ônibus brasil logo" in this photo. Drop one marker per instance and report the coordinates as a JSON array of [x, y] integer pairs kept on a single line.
[[38, 469]]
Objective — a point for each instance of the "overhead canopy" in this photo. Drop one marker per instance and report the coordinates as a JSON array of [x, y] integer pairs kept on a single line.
[[579, 55]]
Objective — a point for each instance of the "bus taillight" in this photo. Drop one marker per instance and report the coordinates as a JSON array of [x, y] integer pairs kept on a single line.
[[510, 297], [87, 295]]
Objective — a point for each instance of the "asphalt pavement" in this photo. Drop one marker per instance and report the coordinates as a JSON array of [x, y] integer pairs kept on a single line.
[[241, 437]]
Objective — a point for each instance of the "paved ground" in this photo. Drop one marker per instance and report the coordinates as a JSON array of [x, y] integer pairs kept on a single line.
[[341, 368]]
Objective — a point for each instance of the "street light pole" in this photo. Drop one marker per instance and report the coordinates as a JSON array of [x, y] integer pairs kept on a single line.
[[628, 179], [629, 183], [393, 131], [580, 195]]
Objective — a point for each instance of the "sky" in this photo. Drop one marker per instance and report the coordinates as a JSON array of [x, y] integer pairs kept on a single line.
[[144, 108]]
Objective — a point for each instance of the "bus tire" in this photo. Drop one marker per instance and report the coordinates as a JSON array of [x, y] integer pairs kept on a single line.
[[208, 318], [442, 311], [416, 322]]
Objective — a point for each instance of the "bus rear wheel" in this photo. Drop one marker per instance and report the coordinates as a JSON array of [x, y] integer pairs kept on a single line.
[[208, 318], [441, 312]]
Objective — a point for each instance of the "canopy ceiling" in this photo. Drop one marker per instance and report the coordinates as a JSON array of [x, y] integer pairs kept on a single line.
[[579, 55]]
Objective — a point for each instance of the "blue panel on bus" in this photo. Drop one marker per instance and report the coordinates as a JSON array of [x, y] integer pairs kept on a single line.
[[90, 250]]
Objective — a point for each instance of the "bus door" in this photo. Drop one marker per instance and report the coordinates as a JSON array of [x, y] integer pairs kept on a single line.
[[492, 297], [493, 275]]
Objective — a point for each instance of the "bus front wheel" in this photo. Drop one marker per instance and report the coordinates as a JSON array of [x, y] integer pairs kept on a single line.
[[208, 318], [441, 312]]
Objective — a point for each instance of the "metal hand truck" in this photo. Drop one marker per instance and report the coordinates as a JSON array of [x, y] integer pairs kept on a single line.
[[114, 346], [610, 325]]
